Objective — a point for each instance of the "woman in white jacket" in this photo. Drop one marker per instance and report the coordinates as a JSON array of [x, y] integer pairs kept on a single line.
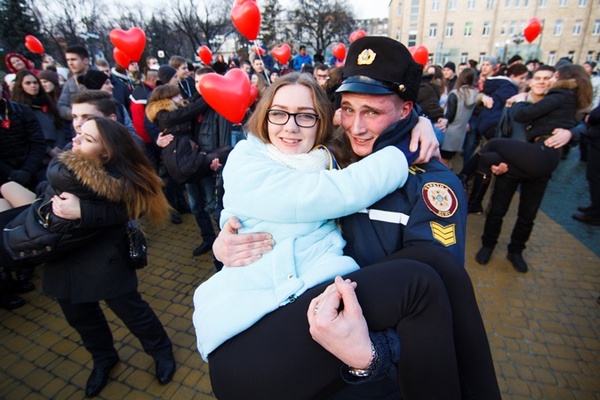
[[282, 180]]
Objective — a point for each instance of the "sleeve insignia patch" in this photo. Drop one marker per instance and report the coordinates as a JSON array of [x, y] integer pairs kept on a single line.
[[440, 199], [446, 235]]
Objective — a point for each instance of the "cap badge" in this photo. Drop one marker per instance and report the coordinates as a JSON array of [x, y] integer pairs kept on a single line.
[[366, 57], [401, 88]]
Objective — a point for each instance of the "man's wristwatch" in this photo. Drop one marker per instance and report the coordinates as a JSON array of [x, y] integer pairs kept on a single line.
[[363, 373]]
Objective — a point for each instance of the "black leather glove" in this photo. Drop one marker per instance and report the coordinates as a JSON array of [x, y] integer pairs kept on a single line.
[[20, 176]]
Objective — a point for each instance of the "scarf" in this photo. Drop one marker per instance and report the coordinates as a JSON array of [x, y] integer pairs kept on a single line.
[[315, 160]]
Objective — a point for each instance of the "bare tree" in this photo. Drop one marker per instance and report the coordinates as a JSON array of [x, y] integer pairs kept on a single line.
[[320, 23]]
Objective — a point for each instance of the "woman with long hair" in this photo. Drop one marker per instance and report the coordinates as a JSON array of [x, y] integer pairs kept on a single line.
[[108, 181], [28, 90]]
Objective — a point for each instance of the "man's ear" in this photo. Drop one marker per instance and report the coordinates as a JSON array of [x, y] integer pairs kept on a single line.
[[113, 117], [406, 108]]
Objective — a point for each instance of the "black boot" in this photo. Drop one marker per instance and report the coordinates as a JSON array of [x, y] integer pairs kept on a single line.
[[23, 283], [7, 298], [480, 186]]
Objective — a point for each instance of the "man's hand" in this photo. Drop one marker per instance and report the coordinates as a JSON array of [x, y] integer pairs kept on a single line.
[[499, 169], [487, 101], [66, 206], [516, 99], [215, 164], [344, 333], [559, 138], [423, 135], [164, 139], [238, 250], [442, 124]]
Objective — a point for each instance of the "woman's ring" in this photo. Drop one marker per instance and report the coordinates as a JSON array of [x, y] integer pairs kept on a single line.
[[316, 310]]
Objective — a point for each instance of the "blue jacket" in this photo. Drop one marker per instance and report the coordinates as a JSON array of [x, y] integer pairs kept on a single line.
[[430, 208], [500, 88], [297, 208]]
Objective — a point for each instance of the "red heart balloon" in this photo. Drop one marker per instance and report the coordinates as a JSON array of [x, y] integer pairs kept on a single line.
[[532, 30], [339, 51], [131, 42], [121, 58], [227, 94], [357, 35], [420, 54], [205, 54], [282, 53], [252, 95], [246, 18], [34, 45]]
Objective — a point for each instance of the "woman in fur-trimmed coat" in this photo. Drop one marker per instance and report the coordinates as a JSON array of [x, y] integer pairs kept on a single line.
[[570, 93], [113, 182]]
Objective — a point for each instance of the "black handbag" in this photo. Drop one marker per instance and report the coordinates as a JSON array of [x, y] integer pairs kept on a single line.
[[138, 255]]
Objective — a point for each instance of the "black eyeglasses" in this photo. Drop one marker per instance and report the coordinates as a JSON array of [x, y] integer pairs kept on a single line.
[[303, 120]]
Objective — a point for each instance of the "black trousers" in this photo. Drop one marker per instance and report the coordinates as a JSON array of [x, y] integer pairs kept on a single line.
[[89, 321], [277, 358], [593, 176], [532, 193], [525, 160]]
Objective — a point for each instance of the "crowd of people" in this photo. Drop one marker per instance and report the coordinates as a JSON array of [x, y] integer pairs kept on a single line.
[[95, 147]]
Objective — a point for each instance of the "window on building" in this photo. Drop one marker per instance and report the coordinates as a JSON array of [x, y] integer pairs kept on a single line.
[[470, 4], [582, 3], [596, 30], [489, 4], [543, 3], [503, 28], [571, 55], [562, 3], [468, 29], [507, 3], [412, 39], [449, 29], [464, 57], [435, 5], [590, 56], [551, 58], [516, 3], [525, 3], [481, 57], [558, 26], [512, 28], [399, 9], [577, 28], [486, 28], [433, 30], [452, 5]]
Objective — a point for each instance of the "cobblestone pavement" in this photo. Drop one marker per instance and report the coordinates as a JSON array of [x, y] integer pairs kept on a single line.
[[544, 326]]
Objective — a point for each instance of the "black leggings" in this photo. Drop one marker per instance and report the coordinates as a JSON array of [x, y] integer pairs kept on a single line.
[[524, 159], [277, 358]]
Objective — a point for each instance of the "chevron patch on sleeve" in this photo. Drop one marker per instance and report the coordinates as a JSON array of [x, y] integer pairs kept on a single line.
[[446, 235]]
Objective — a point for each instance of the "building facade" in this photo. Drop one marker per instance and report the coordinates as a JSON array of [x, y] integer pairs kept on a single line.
[[459, 30]]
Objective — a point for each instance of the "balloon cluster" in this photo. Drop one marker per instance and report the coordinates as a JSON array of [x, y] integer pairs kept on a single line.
[[129, 45]]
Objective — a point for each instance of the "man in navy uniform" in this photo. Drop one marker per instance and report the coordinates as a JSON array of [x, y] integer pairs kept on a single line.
[[378, 94]]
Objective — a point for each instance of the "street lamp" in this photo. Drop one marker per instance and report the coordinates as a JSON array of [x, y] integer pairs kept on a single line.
[[517, 40]]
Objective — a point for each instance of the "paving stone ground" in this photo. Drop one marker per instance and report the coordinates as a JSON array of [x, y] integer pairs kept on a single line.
[[543, 326]]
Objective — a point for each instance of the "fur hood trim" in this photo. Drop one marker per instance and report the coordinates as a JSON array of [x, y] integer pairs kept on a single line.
[[92, 174], [569, 84], [152, 109]]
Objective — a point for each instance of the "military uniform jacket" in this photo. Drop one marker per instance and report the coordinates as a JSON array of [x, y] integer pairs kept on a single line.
[[431, 208]]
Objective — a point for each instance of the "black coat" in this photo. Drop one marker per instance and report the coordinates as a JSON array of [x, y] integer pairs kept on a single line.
[[100, 268], [22, 144]]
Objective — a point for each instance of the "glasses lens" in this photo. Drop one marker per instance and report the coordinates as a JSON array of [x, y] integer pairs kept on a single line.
[[306, 120], [278, 117]]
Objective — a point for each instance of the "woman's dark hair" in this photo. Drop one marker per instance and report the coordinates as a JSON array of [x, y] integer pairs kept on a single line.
[[582, 80], [42, 98], [163, 92], [516, 70], [142, 188], [466, 77]]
